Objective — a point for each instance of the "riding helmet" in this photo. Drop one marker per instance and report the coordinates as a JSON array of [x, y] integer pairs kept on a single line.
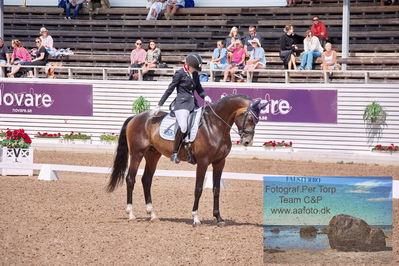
[[194, 60]]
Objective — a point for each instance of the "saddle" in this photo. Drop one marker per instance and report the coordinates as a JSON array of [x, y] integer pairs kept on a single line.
[[168, 127]]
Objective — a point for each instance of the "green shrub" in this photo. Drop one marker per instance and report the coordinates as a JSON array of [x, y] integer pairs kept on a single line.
[[140, 105]]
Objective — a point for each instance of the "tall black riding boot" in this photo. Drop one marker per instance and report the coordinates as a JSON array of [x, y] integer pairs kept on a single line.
[[178, 140]]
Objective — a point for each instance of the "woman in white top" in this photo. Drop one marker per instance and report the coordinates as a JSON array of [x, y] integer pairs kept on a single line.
[[312, 49], [329, 58], [47, 40]]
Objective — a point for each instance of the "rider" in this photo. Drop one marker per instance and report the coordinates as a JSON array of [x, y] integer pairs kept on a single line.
[[186, 80]]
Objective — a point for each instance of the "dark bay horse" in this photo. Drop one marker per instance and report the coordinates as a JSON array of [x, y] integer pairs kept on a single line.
[[139, 137]]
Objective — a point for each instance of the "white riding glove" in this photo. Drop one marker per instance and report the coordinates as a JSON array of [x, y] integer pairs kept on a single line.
[[208, 99], [156, 110]]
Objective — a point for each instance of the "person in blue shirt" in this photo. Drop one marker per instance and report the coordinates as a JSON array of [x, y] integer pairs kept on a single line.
[[257, 59], [219, 57]]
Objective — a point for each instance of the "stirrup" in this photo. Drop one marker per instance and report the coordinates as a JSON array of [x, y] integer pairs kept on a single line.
[[175, 158]]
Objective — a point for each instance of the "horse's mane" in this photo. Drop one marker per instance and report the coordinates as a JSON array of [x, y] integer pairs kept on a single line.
[[232, 96]]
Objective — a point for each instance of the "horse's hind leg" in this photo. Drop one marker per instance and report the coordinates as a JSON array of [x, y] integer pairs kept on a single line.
[[131, 180], [217, 174], [151, 158]]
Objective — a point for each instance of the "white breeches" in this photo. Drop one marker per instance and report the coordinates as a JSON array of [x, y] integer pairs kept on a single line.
[[182, 119]]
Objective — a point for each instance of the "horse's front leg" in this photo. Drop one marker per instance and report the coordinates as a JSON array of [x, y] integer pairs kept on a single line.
[[151, 158], [217, 174], [135, 159], [199, 182]]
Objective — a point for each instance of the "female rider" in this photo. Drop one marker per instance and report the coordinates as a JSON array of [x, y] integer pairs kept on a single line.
[[186, 80]]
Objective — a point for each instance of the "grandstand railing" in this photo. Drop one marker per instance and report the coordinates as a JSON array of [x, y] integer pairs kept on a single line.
[[287, 76]]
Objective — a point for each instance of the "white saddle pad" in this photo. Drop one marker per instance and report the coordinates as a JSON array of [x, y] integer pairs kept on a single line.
[[167, 128]]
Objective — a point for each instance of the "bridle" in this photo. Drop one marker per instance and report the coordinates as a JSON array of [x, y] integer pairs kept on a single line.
[[241, 131]]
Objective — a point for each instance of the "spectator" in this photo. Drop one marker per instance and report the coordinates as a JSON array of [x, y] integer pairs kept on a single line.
[[40, 59], [47, 40], [172, 6], [5, 55], [77, 4], [189, 3], [233, 35], [237, 60], [95, 5], [153, 57], [219, 57], [137, 59], [319, 30], [156, 9], [257, 59], [250, 36], [328, 58], [312, 49], [288, 48], [19, 55], [291, 3]]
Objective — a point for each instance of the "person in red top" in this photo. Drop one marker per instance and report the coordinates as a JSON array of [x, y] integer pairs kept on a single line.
[[319, 30]]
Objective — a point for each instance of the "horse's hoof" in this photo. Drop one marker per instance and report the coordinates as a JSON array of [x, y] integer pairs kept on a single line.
[[131, 217], [196, 224], [154, 219], [221, 223]]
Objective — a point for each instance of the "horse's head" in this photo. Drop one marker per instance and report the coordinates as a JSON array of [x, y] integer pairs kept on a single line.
[[247, 120]]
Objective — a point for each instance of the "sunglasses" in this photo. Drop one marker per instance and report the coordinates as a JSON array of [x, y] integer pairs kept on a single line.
[[138, 43], [37, 42]]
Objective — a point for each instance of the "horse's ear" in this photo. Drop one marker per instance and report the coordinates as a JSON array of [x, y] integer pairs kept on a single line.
[[263, 105], [255, 103]]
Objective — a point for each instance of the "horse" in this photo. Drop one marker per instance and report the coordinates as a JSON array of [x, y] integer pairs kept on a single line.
[[139, 137]]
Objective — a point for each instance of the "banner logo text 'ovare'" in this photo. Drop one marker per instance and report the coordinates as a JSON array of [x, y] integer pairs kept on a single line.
[[25, 99]]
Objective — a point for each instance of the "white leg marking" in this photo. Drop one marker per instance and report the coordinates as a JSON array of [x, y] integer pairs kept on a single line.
[[129, 211], [196, 218], [150, 210]]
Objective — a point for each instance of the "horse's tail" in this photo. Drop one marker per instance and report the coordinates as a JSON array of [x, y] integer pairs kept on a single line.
[[121, 159]]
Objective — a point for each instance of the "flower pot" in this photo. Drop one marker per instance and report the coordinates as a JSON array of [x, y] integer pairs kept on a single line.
[[47, 140], [16, 156], [278, 148], [76, 141]]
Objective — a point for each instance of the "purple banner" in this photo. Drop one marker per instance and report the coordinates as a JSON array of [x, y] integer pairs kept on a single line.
[[288, 105], [46, 99]]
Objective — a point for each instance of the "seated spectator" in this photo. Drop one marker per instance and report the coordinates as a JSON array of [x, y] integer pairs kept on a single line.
[[257, 59], [77, 4], [40, 57], [328, 58], [252, 34], [288, 48], [237, 60], [47, 40], [156, 9], [153, 57], [19, 56], [189, 3], [95, 5], [137, 60], [319, 30], [312, 50], [291, 3], [233, 36], [5, 55], [172, 6], [219, 57]]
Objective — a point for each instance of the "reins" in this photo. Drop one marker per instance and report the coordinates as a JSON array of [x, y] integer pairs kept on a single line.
[[240, 132]]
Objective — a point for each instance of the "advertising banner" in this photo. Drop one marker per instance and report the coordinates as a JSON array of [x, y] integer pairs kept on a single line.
[[288, 105], [46, 99]]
